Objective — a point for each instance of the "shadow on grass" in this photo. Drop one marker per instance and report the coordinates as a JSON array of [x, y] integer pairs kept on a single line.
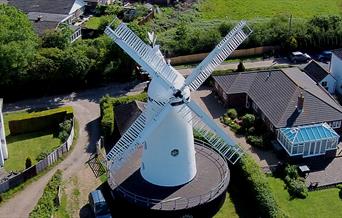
[[244, 205], [15, 138]]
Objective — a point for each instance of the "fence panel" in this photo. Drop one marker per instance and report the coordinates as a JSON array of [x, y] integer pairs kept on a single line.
[[4, 186], [236, 54]]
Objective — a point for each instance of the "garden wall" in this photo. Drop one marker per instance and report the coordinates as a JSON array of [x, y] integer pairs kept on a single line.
[[40, 166], [194, 58]]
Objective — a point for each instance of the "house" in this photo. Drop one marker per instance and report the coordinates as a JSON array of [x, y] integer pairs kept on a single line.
[[336, 68], [3, 145], [46, 15], [287, 100], [321, 76], [93, 3]]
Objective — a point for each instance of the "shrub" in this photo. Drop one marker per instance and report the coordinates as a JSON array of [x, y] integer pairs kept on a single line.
[[240, 67], [37, 121], [41, 156], [297, 188], [28, 163], [232, 113], [64, 130], [251, 130], [291, 171], [46, 204], [256, 141], [257, 184], [339, 186], [235, 127], [248, 120]]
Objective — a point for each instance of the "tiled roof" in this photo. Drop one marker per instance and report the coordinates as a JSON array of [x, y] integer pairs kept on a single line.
[[276, 94], [46, 6], [338, 53], [126, 114], [315, 71]]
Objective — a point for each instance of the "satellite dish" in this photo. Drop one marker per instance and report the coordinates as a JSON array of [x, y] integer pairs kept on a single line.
[[152, 38]]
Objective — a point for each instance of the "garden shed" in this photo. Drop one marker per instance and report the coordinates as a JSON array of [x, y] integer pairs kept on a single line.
[[309, 140]]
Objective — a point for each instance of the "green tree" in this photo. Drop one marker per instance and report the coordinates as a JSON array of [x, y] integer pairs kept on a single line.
[[248, 120], [28, 163], [18, 44], [59, 38]]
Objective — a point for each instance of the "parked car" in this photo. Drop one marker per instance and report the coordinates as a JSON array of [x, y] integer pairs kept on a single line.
[[99, 205], [299, 57], [324, 56]]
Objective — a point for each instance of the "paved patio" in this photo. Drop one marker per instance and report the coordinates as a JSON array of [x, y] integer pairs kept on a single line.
[[209, 103]]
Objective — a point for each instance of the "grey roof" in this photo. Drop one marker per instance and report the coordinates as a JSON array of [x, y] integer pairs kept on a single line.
[[315, 71], [3, 1], [276, 93], [46, 16], [126, 114], [338, 53], [42, 26], [46, 6]]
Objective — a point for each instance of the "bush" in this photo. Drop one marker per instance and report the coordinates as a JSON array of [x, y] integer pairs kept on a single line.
[[28, 163], [64, 130], [297, 188], [291, 171], [235, 127], [232, 113], [41, 156], [37, 121], [256, 141], [240, 67], [248, 120], [46, 204], [257, 184]]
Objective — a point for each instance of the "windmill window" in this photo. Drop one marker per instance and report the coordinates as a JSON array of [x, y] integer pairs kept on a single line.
[[324, 83], [174, 152]]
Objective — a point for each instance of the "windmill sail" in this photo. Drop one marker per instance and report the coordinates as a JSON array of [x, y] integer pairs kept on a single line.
[[143, 54], [229, 43], [212, 133], [136, 135]]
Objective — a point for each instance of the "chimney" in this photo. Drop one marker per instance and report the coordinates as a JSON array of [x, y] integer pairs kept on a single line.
[[300, 104]]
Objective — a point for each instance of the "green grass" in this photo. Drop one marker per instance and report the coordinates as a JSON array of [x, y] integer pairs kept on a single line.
[[95, 22], [324, 203], [251, 9], [30, 144], [227, 209]]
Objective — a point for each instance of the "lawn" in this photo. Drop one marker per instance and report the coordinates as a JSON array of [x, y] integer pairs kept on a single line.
[[95, 22], [251, 9], [324, 203], [26, 145], [227, 209]]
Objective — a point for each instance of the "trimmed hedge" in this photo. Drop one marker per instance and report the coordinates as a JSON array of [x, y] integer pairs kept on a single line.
[[107, 105], [251, 175], [47, 203], [37, 121]]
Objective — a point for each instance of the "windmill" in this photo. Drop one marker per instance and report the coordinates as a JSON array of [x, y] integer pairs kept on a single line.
[[165, 129]]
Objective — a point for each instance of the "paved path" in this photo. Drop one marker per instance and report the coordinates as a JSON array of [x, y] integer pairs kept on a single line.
[[87, 112], [207, 101], [248, 65]]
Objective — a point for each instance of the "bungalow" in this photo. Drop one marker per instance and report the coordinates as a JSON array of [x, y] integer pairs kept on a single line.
[[336, 68], [321, 75], [302, 114], [3, 145], [48, 15]]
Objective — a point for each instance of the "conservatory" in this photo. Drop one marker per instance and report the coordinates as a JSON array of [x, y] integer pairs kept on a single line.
[[308, 141]]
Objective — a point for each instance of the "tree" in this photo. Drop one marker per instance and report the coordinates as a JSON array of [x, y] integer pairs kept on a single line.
[[248, 120], [59, 38], [18, 44], [28, 163]]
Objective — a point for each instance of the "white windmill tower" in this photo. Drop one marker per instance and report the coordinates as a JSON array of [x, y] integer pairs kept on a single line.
[[165, 128]]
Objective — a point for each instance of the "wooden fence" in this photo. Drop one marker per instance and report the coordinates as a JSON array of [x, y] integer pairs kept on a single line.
[[28, 173], [194, 58]]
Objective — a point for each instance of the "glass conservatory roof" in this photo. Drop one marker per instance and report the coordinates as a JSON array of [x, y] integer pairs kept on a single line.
[[315, 132]]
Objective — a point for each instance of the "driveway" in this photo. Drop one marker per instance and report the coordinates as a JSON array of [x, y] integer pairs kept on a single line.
[[209, 103], [74, 166]]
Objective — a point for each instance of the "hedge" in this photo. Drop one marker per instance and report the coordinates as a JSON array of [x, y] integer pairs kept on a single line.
[[107, 105], [37, 121], [257, 185], [47, 203]]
